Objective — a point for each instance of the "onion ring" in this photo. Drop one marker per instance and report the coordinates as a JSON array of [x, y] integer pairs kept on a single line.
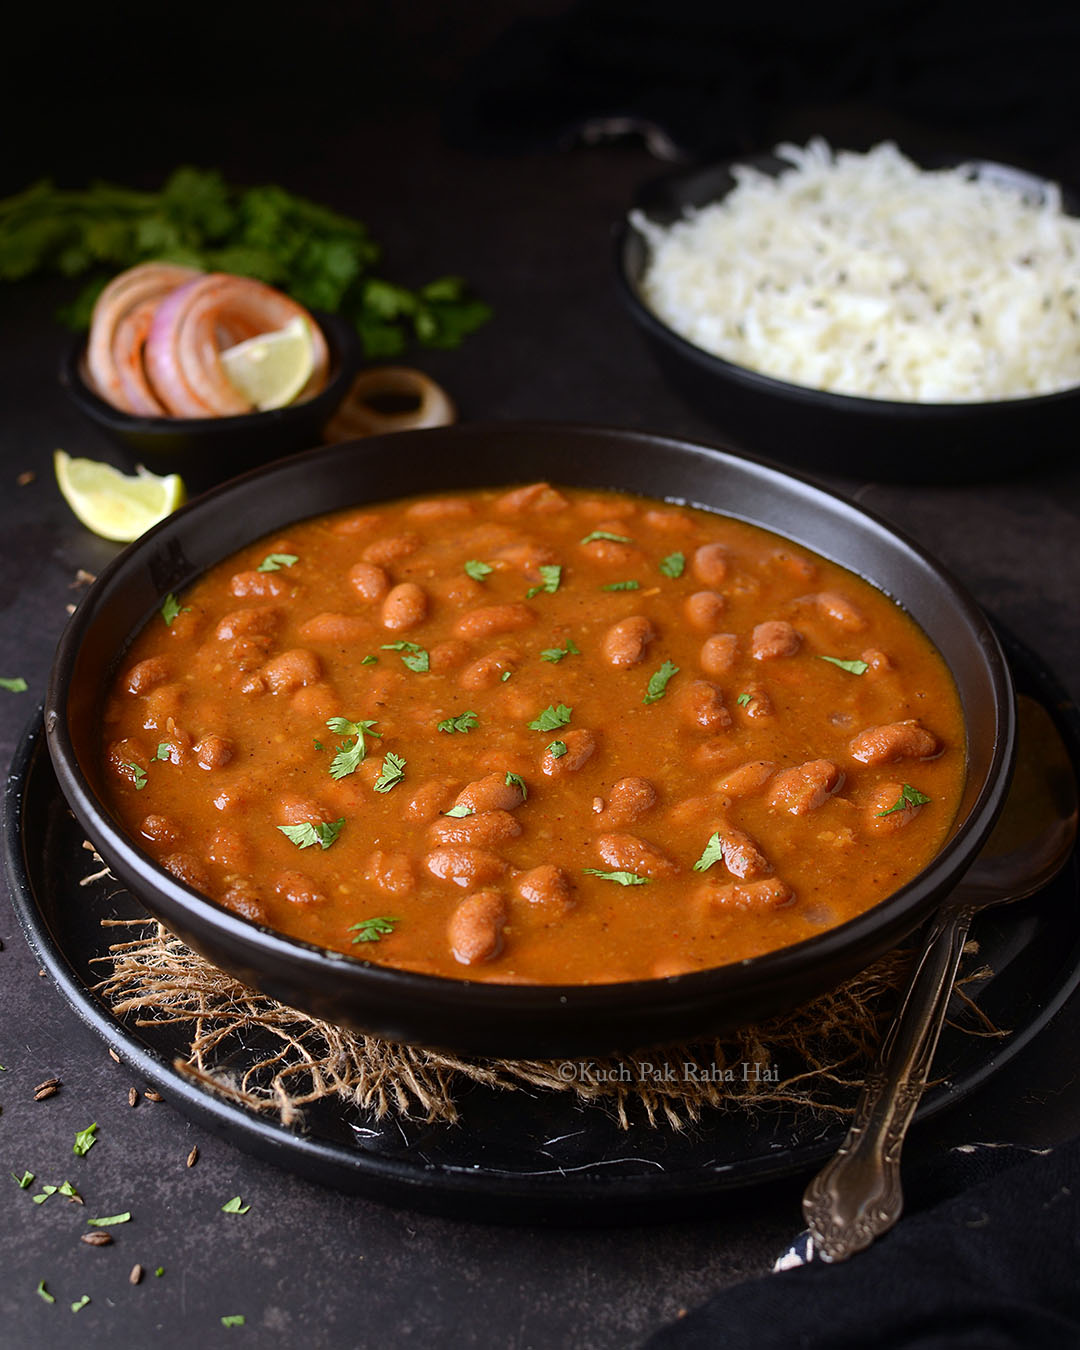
[[358, 416]]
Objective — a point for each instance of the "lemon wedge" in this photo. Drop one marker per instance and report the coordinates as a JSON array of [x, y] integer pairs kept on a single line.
[[272, 368], [110, 503]]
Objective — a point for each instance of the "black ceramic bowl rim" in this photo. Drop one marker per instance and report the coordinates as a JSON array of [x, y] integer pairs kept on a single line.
[[489, 1018], [341, 340], [628, 235]]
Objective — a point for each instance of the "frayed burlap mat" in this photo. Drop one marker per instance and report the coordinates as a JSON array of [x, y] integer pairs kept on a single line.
[[813, 1058]]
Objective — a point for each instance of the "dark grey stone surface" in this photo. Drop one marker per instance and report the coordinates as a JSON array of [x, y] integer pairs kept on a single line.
[[307, 1266]]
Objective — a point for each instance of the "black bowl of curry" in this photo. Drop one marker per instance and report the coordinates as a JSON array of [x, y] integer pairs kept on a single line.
[[603, 740]]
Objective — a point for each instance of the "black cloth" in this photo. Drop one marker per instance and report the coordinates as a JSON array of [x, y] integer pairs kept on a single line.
[[996, 1267]]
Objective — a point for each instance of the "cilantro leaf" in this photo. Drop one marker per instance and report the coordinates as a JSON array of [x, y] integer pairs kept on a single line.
[[853, 667], [909, 796], [478, 570], [163, 751], [516, 780], [352, 752], [307, 834], [593, 535], [622, 586], [391, 773], [414, 656], [551, 718], [557, 653], [373, 930], [77, 1307], [23, 1182], [370, 660], [138, 774], [658, 682], [170, 608], [16, 685], [622, 878], [110, 1219], [557, 749], [743, 700], [673, 565], [462, 722], [235, 1206], [550, 580], [42, 1292], [713, 853], [233, 1320], [274, 562], [85, 1140]]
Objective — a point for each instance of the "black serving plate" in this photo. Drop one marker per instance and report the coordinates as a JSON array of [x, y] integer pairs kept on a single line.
[[810, 428], [520, 1156]]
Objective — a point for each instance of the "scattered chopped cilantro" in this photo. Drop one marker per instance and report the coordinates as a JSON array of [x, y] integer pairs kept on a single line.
[[370, 660], [658, 682], [516, 780], [505, 676], [478, 570], [551, 718], [85, 1140], [163, 751], [623, 878], [75, 1307], [853, 667], [622, 586], [274, 562], [318, 745], [23, 1182], [110, 1219], [391, 773], [550, 580], [461, 811], [713, 853], [159, 1272], [305, 835], [233, 1320], [673, 565], [42, 1292], [373, 930], [743, 700], [606, 534], [351, 753], [909, 796], [414, 656], [462, 722], [557, 749], [17, 685], [170, 608], [65, 1188], [138, 774], [557, 653], [234, 1206]]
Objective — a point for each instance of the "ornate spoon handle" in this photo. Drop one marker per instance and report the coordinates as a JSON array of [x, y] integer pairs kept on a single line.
[[857, 1194]]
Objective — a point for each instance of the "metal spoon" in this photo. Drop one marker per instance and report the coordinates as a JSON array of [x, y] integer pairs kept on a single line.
[[857, 1194]]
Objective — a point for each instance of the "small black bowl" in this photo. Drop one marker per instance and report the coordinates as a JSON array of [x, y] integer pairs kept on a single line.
[[207, 450], [864, 438], [499, 1019]]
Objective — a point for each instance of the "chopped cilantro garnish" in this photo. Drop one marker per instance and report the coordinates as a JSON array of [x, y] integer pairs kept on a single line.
[[234, 1206], [551, 718], [852, 667], [138, 774], [318, 745], [373, 930], [623, 878], [163, 751], [110, 1219], [370, 660], [557, 749], [909, 796], [673, 565], [16, 685], [170, 608], [85, 1140], [159, 1272], [350, 754], [462, 722], [274, 562], [622, 586], [505, 676], [75, 1307], [550, 580], [516, 780], [305, 835], [414, 656], [713, 853], [23, 1182], [606, 534], [42, 1292], [391, 773], [478, 570], [743, 700], [461, 811], [557, 653], [658, 682], [233, 1320], [65, 1188]]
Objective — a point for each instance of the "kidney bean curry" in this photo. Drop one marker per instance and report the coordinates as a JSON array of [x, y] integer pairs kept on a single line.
[[543, 735]]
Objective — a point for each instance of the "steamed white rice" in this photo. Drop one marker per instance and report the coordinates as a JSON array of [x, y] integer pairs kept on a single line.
[[863, 274]]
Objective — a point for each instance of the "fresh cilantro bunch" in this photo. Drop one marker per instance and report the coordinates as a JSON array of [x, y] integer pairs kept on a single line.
[[322, 259]]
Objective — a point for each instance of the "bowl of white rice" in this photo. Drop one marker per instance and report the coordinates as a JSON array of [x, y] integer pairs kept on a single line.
[[863, 314]]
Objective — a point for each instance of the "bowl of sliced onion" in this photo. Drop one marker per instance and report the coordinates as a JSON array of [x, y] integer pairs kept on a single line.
[[207, 374]]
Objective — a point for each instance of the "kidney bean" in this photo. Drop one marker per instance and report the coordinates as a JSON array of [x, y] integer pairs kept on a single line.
[[369, 581], [404, 607], [162, 830], [393, 873], [213, 752], [628, 853], [492, 620], [628, 800], [476, 926], [529, 556], [188, 869], [759, 704], [670, 521], [393, 549], [547, 885], [242, 897], [291, 670], [610, 552], [261, 585], [440, 508], [626, 642], [718, 653], [806, 787], [336, 628], [297, 889], [701, 706], [487, 829], [123, 754], [774, 639], [895, 741], [295, 810], [878, 661], [535, 498], [704, 610], [747, 779], [428, 801], [795, 566], [359, 522], [490, 793], [315, 700], [247, 654], [488, 671], [884, 798], [580, 748], [691, 811], [840, 611], [464, 866], [229, 849], [710, 564], [766, 893], [246, 623], [742, 857], [147, 675]]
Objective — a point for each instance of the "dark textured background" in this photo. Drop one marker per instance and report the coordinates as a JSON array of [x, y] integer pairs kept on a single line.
[[354, 105]]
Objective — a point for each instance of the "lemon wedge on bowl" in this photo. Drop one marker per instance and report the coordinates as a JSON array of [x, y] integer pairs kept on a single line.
[[271, 368], [112, 504]]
